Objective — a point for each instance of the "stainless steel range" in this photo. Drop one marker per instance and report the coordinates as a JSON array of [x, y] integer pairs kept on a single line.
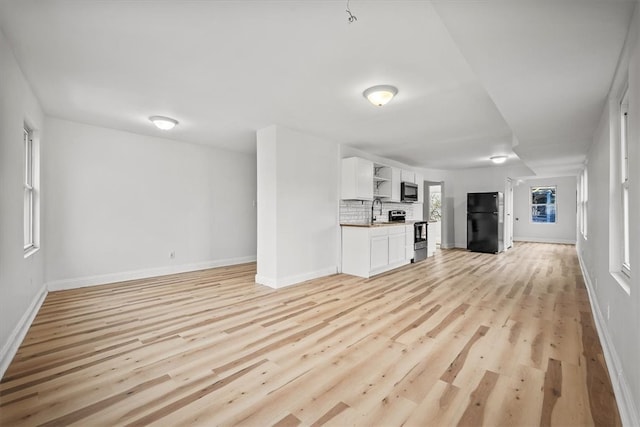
[[419, 240], [397, 215], [419, 234]]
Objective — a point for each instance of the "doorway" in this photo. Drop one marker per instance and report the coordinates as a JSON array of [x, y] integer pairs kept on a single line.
[[433, 215], [508, 214]]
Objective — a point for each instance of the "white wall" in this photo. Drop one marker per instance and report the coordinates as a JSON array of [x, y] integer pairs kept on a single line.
[[564, 230], [267, 266], [21, 280], [118, 203], [300, 206], [476, 180], [616, 311]]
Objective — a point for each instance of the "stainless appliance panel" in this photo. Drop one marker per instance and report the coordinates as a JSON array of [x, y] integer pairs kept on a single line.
[[419, 241], [408, 192]]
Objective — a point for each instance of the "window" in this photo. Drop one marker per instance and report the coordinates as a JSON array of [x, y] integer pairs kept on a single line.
[[583, 201], [29, 191], [543, 205], [624, 182]]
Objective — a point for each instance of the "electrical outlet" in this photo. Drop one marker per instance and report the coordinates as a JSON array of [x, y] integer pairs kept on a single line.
[[608, 312], [172, 255]]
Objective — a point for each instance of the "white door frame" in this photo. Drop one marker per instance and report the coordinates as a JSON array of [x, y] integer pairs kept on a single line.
[[508, 214]]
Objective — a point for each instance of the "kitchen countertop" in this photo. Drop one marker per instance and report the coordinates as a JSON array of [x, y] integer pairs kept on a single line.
[[376, 224]]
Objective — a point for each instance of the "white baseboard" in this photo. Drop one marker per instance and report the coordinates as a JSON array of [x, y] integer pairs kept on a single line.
[[277, 283], [544, 240], [20, 331], [626, 404], [81, 282]]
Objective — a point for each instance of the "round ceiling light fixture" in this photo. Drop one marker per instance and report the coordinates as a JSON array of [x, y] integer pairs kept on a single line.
[[380, 95], [498, 159], [164, 123]]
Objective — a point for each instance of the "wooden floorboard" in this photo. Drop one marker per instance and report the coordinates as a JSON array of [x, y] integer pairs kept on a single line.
[[462, 339]]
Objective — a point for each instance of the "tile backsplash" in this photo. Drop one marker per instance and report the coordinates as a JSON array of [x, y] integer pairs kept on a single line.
[[358, 211]]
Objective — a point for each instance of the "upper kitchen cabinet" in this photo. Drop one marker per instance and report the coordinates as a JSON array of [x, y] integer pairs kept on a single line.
[[408, 176], [396, 177], [357, 179], [363, 179], [382, 181]]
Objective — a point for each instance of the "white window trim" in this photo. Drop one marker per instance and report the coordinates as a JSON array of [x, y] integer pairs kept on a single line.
[[30, 184], [625, 266], [583, 201], [622, 280]]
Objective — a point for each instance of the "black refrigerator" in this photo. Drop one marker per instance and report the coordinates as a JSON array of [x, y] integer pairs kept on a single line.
[[485, 222]]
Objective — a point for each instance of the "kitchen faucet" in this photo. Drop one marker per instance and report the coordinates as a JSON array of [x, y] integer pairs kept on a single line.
[[373, 218]]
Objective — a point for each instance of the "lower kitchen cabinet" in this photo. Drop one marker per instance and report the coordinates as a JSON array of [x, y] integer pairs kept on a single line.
[[379, 252], [367, 251], [409, 241], [396, 246]]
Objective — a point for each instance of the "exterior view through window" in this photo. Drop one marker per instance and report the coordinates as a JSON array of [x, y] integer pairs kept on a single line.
[[543, 205], [435, 205]]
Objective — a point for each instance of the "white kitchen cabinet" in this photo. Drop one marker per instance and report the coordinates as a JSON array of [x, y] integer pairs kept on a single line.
[[397, 246], [396, 179], [419, 180], [409, 240], [367, 251], [357, 179], [381, 181], [408, 176], [379, 252], [432, 238]]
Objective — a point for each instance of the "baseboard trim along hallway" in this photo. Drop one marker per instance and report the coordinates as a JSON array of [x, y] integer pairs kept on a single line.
[[20, 331], [626, 404]]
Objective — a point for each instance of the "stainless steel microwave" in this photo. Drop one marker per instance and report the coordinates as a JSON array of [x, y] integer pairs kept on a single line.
[[408, 192]]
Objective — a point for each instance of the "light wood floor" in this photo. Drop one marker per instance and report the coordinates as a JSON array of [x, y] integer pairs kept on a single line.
[[460, 339]]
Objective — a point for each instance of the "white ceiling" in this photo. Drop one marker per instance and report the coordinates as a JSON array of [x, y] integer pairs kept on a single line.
[[476, 78]]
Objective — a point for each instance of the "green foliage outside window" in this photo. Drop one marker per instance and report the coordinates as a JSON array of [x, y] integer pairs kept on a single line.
[[435, 207]]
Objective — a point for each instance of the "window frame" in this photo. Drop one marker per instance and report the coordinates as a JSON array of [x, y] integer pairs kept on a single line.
[[625, 264], [31, 194], [531, 204], [583, 201]]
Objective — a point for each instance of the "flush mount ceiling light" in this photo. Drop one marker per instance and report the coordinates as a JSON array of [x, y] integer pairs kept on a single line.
[[498, 159], [380, 95], [164, 123]]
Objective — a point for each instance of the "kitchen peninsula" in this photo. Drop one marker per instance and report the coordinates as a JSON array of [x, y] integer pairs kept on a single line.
[[375, 240], [370, 249]]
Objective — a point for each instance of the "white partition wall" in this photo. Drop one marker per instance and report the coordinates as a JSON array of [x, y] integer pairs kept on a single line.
[[298, 181]]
